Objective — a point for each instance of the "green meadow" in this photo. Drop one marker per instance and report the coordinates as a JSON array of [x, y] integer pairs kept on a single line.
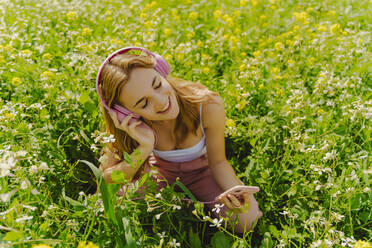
[[295, 77]]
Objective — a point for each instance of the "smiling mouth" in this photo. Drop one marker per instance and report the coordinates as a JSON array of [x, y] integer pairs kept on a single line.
[[169, 104]]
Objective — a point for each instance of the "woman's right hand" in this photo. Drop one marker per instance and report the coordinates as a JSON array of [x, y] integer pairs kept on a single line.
[[136, 129]]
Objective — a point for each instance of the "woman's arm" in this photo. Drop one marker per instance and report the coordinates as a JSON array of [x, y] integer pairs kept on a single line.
[[214, 123]]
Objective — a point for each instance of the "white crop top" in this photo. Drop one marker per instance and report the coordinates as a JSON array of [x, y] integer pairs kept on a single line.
[[187, 154]]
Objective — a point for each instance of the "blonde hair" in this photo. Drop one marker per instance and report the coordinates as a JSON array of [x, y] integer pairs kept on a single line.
[[189, 94]]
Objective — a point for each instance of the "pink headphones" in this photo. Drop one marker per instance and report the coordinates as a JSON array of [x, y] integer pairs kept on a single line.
[[161, 66]]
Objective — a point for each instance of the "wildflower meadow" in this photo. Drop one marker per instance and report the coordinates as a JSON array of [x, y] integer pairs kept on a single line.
[[295, 77]]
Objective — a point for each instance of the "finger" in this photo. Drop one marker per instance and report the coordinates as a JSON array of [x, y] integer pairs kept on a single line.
[[234, 201], [133, 126], [227, 203]]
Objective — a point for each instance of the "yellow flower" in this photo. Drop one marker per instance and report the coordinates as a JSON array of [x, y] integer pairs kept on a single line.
[[275, 70], [233, 39], [83, 244], [243, 2], [176, 17], [261, 86], [174, 12], [269, 40], [254, 3], [320, 111], [26, 52], [311, 60], [291, 62], [8, 48], [193, 15], [279, 46], [2, 59], [242, 67], [153, 4], [257, 53], [335, 28], [322, 28], [143, 16], [71, 15], [167, 31], [137, 43], [200, 43], [47, 56], [230, 123], [127, 32], [206, 70], [191, 34], [41, 246], [331, 13], [243, 54], [279, 92], [236, 13], [148, 24], [86, 31], [180, 56], [301, 17], [16, 80], [47, 75], [168, 57], [237, 30], [362, 244], [262, 17], [217, 13], [309, 9], [109, 18], [230, 21]]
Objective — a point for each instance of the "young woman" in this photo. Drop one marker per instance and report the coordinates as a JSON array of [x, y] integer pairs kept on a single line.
[[178, 127]]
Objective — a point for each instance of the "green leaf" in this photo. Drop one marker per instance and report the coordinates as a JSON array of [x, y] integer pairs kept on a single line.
[[118, 176], [128, 234], [220, 240], [127, 158], [84, 97], [274, 231], [194, 239], [188, 193], [71, 201], [13, 236]]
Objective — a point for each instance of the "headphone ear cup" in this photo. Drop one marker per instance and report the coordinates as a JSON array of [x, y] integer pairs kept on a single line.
[[123, 112]]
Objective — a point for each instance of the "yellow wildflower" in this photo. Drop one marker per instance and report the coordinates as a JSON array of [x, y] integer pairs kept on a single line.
[[230, 21], [331, 13], [243, 2], [320, 111], [200, 43], [2, 59], [230, 123], [47, 75], [241, 105], [225, 36], [206, 70], [109, 18], [71, 15], [41, 246], [143, 16], [127, 32], [16, 81], [257, 53], [322, 28], [311, 60], [242, 67], [174, 12], [153, 4], [271, 54], [279, 46], [254, 3], [309, 9], [180, 56], [269, 40], [243, 54], [335, 28], [26, 52], [275, 70], [236, 13], [168, 57], [265, 25], [86, 31], [191, 34], [167, 31], [261, 86], [8, 48], [148, 24], [217, 13], [176, 17], [47, 56], [84, 244], [301, 17], [262, 17], [233, 39], [137, 43], [193, 15], [291, 62], [362, 244], [237, 30]]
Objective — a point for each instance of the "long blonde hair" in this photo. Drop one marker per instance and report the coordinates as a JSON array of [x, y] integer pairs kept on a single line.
[[189, 94]]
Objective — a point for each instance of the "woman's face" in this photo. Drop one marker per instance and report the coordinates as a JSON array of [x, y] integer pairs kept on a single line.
[[149, 95]]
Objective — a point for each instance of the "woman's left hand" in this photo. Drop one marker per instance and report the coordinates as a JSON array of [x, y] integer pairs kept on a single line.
[[240, 200]]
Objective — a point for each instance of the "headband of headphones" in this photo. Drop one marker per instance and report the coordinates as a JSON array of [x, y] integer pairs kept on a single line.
[[161, 66]]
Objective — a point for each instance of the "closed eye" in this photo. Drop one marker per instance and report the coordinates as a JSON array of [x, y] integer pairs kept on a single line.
[[144, 106]]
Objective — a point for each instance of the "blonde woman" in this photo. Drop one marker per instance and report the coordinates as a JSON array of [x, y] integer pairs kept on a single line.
[[178, 127]]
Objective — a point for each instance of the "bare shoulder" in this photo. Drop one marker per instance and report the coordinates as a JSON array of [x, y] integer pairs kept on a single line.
[[213, 111]]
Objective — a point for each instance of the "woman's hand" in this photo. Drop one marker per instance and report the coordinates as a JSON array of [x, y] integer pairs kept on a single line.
[[240, 199], [136, 129]]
